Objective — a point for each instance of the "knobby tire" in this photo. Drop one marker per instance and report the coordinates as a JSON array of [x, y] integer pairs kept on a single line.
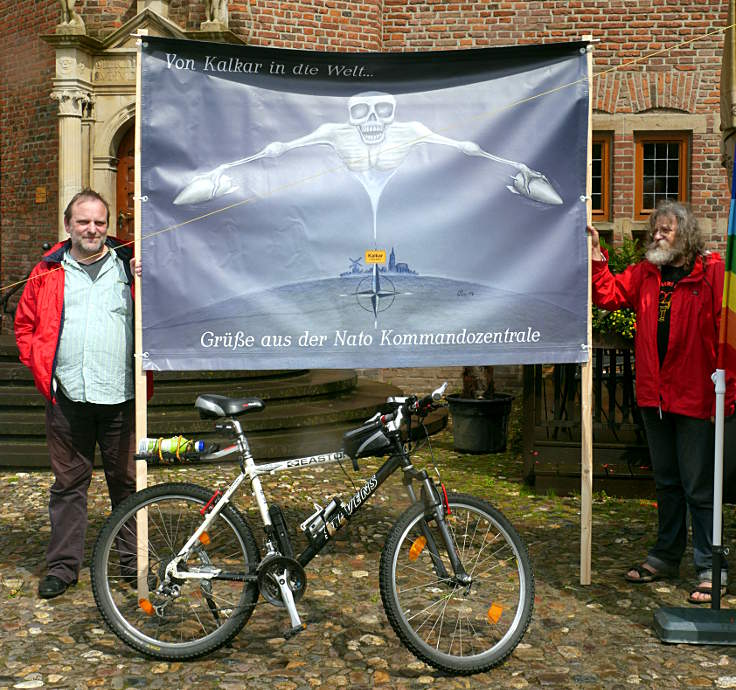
[[208, 613]]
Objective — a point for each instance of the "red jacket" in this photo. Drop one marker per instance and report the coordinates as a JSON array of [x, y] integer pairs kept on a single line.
[[682, 385], [40, 313]]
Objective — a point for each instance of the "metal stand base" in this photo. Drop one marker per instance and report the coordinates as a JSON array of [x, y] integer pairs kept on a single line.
[[696, 626]]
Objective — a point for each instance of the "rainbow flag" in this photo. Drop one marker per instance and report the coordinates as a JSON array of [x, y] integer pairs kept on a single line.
[[727, 335]]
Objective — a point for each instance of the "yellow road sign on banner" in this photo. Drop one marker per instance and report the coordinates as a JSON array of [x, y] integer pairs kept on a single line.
[[375, 256]]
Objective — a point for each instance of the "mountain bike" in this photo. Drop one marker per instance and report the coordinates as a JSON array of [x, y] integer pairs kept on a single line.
[[177, 568]]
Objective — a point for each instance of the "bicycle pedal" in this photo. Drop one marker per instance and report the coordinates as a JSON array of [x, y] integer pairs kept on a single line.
[[293, 631]]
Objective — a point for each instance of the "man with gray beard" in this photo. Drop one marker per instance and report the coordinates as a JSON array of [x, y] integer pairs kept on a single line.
[[676, 293]]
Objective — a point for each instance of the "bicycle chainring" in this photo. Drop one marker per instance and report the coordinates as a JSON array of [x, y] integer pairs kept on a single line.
[[274, 565]]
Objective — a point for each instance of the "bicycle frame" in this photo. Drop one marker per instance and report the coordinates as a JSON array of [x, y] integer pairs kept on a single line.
[[329, 523], [253, 472]]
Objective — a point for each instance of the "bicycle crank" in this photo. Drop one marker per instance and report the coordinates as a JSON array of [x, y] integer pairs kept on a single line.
[[269, 570], [282, 582]]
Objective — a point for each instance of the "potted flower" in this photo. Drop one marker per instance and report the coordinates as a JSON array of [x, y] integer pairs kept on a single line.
[[615, 329], [479, 415]]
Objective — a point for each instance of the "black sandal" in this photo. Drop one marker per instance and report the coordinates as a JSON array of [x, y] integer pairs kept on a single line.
[[646, 575], [704, 587]]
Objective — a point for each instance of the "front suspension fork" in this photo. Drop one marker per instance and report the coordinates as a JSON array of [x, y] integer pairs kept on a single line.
[[436, 507]]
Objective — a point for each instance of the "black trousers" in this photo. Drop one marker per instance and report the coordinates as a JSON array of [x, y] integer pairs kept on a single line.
[[682, 450], [73, 430]]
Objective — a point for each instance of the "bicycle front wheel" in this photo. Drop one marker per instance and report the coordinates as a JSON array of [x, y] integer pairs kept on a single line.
[[181, 618], [457, 628]]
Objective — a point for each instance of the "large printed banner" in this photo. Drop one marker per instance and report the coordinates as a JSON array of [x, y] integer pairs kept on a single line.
[[305, 209]]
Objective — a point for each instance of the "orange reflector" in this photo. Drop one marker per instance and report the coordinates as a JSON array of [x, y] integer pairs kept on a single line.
[[204, 538], [146, 606], [494, 613], [417, 547]]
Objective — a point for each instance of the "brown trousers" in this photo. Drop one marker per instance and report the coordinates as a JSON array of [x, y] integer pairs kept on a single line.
[[73, 430]]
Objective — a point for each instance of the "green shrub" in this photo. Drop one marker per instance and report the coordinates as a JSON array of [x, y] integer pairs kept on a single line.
[[623, 321]]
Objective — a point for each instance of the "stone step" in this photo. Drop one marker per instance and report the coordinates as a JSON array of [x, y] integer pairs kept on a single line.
[[307, 411], [170, 391], [9, 357], [265, 445], [356, 404], [270, 445], [7, 344], [12, 371]]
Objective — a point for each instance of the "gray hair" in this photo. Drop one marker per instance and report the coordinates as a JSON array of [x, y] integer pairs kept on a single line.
[[688, 239]]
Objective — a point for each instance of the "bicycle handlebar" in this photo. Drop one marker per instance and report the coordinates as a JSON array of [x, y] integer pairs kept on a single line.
[[413, 406], [427, 401]]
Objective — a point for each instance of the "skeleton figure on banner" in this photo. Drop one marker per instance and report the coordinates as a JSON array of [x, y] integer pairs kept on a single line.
[[372, 144]]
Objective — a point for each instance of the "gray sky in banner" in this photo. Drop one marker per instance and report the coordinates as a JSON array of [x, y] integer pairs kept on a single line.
[[445, 213]]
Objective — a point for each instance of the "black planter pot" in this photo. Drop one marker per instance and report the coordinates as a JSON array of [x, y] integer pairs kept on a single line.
[[480, 425]]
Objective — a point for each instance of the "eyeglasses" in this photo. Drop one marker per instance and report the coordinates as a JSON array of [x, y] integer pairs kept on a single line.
[[664, 231]]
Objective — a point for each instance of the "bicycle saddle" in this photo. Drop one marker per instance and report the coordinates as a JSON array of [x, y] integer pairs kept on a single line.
[[211, 405]]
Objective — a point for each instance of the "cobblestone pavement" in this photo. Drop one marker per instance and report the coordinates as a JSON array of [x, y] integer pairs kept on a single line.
[[597, 636]]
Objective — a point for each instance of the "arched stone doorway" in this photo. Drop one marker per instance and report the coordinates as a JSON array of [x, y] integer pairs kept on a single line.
[[94, 87]]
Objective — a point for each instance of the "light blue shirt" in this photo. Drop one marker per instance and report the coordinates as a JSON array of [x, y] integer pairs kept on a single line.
[[94, 362]]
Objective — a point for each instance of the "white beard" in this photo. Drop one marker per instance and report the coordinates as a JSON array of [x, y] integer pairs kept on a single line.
[[661, 255]]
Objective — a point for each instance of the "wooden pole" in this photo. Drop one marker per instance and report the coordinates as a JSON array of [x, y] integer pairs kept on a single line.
[[141, 392], [728, 93], [586, 374]]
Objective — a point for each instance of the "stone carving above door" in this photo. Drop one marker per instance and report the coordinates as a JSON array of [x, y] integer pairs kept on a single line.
[[114, 68]]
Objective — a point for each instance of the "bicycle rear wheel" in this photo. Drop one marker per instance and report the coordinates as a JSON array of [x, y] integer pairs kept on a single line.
[[188, 617], [456, 628]]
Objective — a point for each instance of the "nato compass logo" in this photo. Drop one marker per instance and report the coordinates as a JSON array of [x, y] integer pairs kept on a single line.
[[375, 291], [372, 294]]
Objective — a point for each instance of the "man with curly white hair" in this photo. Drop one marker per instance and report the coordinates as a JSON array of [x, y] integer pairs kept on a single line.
[[676, 292]]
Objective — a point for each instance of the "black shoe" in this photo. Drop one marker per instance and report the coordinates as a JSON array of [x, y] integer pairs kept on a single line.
[[51, 586]]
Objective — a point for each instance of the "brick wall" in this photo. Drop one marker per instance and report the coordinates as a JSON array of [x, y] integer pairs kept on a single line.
[[684, 80], [333, 25], [422, 380], [28, 136], [102, 17]]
